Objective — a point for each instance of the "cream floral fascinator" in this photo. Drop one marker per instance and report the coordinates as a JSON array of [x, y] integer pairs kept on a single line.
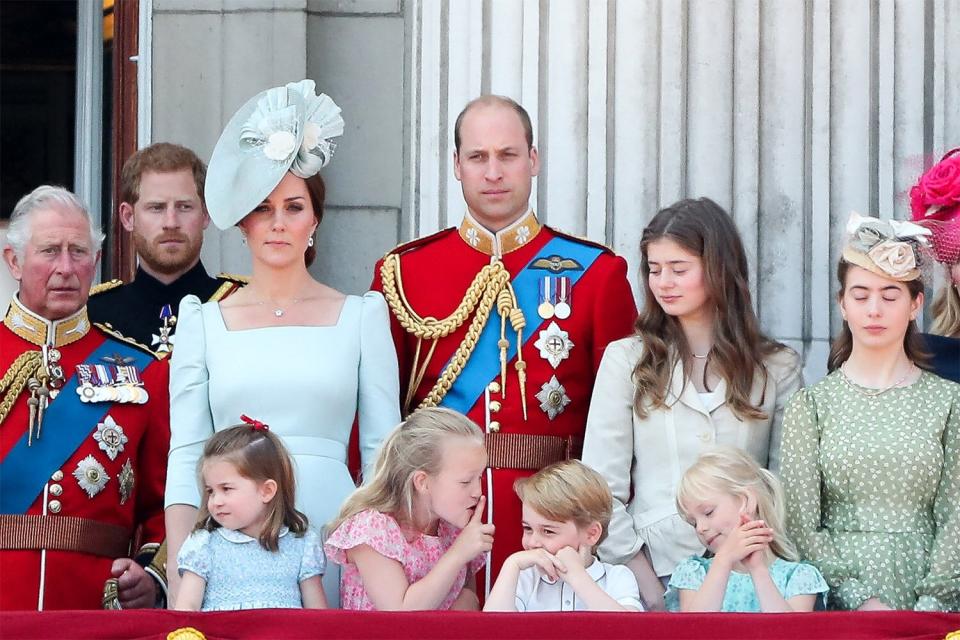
[[889, 248], [282, 129]]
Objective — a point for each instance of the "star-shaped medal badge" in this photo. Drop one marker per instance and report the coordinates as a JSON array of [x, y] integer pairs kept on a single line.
[[554, 344], [110, 436], [553, 398], [91, 476]]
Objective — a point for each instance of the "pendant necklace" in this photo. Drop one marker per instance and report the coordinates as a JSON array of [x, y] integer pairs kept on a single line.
[[873, 392], [277, 310]]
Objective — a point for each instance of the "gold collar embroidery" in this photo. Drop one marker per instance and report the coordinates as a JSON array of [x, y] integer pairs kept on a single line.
[[40, 331], [504, 241]]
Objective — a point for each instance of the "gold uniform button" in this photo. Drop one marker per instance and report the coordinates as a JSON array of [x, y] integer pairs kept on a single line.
[[494, 387], [54, 506], [494, 427], [57, 476], [495, 406], [56, 489]]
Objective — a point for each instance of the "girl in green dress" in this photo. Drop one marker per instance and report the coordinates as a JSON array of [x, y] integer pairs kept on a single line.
[[871, 453]]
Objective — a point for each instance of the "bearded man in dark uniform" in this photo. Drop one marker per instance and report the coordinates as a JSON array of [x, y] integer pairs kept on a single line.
[[161, 192]]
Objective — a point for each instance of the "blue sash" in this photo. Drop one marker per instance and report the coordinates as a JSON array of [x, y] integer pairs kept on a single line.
[[484, 363], [66, 422]]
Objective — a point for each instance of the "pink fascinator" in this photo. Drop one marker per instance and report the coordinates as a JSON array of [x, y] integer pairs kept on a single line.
[[935, 204]]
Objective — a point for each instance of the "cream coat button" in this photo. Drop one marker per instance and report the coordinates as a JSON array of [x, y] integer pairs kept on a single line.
[[54, 506]]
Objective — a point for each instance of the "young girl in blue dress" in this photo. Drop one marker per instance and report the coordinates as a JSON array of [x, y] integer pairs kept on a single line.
[[737, 509], [250, 548]]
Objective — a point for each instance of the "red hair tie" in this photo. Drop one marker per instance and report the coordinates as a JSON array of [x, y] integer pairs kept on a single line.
[[255, 424]]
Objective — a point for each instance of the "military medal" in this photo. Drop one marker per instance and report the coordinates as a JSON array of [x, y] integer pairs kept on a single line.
[[562, 308], [91, 476], [545, 309], [43, 385], [55, 369], [116, 382], [126, 480], [109, 435], [553, 398], [554, 344], [164, 341]]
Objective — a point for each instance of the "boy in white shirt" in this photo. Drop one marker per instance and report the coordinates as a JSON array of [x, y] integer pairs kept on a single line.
[[566, 510]]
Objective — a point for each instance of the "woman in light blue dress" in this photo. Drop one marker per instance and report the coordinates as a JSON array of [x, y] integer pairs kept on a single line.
[[286, 349]]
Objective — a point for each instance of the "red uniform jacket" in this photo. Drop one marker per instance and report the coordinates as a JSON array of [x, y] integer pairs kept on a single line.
[[436, 272], [130, 499]]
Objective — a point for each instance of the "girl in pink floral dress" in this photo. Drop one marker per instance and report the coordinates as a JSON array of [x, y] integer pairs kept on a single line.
[[412, 538]]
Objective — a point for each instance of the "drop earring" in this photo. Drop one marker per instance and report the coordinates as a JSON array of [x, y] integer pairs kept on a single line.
[[310, 241]]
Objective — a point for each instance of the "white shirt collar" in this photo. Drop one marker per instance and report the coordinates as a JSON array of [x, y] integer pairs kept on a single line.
[[239, 537]]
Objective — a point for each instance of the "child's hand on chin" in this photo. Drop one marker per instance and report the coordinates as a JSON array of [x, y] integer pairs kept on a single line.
[[751, 536], [582, 556], [758, 559], [547, 563]]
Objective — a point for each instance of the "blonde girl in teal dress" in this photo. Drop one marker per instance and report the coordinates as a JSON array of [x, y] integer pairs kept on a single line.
[[738, 510], [871, 453]]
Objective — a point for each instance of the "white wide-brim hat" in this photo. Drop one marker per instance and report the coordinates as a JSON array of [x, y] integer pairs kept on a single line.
[[278, 130]]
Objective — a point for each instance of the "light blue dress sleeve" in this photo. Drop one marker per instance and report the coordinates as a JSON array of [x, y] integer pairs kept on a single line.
[[314, 562], [379, 388], [805, 579], [194, 555], [191, 422], [689, 574]]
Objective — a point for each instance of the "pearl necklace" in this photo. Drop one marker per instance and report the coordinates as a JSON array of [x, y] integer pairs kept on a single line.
[[873, 392]]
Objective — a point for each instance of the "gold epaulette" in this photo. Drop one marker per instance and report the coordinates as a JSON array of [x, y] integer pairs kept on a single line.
[[580, 239], [234, 278], [105, 286], [116, 335], [231, 284]]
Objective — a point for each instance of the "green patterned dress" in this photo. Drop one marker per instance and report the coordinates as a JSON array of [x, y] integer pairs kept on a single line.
[[873, 490]]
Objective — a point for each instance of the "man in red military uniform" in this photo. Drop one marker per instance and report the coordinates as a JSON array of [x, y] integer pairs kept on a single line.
[[84, 428], [505, 319]]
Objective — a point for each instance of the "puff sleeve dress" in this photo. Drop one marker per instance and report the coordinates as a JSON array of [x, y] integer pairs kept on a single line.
[[873, 490], [383, 534], [306, 382]]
